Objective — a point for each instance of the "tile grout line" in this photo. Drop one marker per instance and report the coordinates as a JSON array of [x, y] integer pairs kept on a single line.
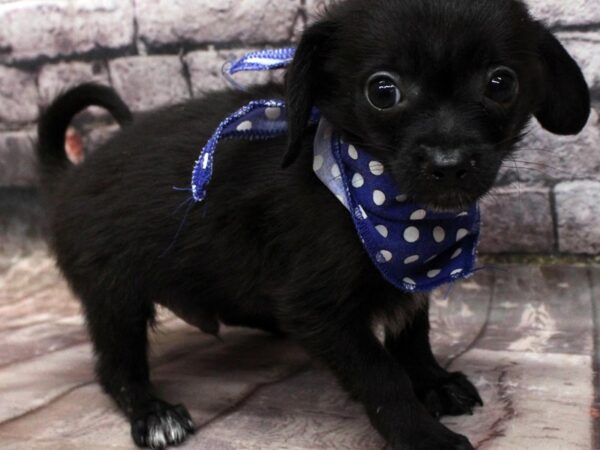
[[47, 404]]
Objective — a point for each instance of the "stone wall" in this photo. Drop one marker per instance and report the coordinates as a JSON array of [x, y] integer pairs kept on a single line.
[[156, 52]]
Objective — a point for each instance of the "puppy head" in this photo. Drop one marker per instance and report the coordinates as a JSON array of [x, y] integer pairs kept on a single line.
[[440, 91]]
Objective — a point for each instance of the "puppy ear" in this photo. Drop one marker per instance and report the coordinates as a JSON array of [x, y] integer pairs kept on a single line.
[[565, 107], [302, 79]]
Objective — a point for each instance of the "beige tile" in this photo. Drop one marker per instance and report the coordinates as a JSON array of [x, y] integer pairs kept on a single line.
[[84, 416], [32, 384], [7, 443], [207, 375], [531, 360], [28, 342], [541, 309], [532, 401], [458, 314], [279, 429]]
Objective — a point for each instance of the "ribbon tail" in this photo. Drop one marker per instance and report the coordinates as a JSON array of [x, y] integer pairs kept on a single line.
[[263, 60]]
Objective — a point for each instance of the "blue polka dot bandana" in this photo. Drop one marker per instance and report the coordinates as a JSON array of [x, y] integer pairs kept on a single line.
[[414, 248]]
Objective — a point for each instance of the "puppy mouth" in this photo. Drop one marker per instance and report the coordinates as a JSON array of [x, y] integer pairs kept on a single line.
[[449, 198], [448, 201]]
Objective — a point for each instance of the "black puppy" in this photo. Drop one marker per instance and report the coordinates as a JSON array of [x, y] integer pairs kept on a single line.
[[438, 90]]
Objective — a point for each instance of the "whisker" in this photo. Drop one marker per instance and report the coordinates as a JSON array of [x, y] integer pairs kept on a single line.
[[516, 166], [534, 163], [541, 168], [528, 148]]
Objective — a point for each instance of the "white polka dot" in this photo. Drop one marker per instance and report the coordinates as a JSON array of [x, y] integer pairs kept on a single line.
[[419, 214], [410, 281], [244, 126], [385, 256], [411, 259], [433, 273], [358, 181], [463, 214], [457, 253], [273, 113], [411, 234], [439, 234], [318, 162], [461, 234], [378, 198], [352, 152], [335, 171], [456, 272], [401, 198], [376, 168], [382, 230]]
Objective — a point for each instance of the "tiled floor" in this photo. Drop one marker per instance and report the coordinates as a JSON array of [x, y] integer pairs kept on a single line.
[[524, 334]]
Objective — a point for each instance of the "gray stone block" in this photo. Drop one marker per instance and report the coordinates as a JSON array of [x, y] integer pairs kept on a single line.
[[17, 161], [546, 158], [164, 22], [148, 82], [53, 28], [578, 212], [517, 220], [18, 96], [54, 79], [565, 13], [205, 68]]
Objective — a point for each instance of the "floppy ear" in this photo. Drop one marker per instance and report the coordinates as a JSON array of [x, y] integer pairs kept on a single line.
[[565, 107], [302, 81]]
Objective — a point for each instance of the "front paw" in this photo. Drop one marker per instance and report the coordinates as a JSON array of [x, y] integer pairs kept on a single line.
[[454, 395], [161, 425]]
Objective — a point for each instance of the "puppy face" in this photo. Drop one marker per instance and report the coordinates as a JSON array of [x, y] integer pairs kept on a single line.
[[439, 90]]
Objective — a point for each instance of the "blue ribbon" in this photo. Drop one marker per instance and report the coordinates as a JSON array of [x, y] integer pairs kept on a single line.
[[263, 60], [264, 119]]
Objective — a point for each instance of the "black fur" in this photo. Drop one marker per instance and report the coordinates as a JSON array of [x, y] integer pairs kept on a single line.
[[272, 248]]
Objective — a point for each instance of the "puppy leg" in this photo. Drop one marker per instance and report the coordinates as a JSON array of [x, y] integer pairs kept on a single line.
[[443, 393], [118, 328], [372, 376]]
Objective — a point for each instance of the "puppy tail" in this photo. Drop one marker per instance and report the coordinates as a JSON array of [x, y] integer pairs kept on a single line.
[[55, 120]]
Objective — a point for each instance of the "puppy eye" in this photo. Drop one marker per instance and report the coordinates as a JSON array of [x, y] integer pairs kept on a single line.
[[382, 91], [502, 85]]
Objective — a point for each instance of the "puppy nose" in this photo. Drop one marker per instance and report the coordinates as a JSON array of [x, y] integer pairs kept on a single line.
[[446, 164]]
